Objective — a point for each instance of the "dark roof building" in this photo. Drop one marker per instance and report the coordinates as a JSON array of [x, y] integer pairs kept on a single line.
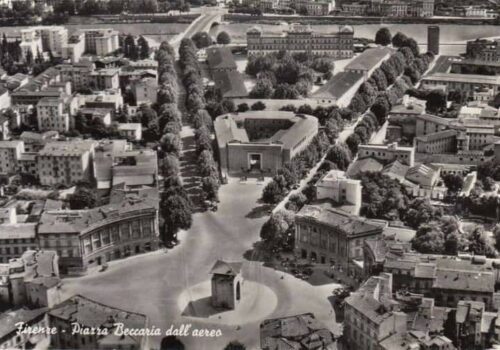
[[295, 333], [230, 83], [88, 313], [220, 58]]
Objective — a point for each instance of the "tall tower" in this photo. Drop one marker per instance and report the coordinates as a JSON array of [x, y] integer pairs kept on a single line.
[[433, 39]]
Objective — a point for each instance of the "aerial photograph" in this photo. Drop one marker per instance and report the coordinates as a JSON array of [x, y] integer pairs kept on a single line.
[[250, 174]]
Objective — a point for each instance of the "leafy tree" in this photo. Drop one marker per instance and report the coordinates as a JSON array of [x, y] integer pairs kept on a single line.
[[339, 154], [235, 345], [143, 47], [399, 39], [296, 202], [202, 118], [171, 143], [273, 193], [421, 211], [130, 48], [480, 244], [170, 166], [83, 198], [436, 101], [171, 342], [176, 212], [263, 88], [258, 106], [210, 187], [243, 107], [428, 240], [202, 40], [223, 38], [496, 235], [353, 141], [322, 64], [453, 182], [277, 231], [383, 37]]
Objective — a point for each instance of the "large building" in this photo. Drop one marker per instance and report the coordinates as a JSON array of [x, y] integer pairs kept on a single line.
[[44, 39], [466, 83], [92, 237], [388, 153], [104, 320], [484, 50], [327, 235], [101, 42], [10, 152], [262, 141], [302, 39], [390, 8]]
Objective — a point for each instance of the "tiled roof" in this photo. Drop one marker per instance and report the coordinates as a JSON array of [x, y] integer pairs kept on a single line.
[[226, 268], [227, 129], [230, 83], [9, 319], [364, 165], [220, 58], [67, 148], [466, 78], [437, 135], [336, 87], [465, 280], [349, 224], [369, 58], [89, 313]]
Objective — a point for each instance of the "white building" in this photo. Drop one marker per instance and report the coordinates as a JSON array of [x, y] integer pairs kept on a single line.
[[51, 116], [44, 39], [342, 190], [131, 131], [74, 48], [101, 41]]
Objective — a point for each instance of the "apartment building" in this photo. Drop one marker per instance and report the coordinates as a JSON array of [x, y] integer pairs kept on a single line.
[[74, 48], [145, 90], [77, 73], [51, 116], [44, 39], [10, 152], [467, 83], [101, 42], [9, 337], [483, 49], [65, 162], [104, 79]]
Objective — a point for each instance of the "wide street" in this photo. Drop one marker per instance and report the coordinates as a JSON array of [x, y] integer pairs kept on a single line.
[[152, 283]]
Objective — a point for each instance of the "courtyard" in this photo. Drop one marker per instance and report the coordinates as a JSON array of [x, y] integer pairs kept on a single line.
[[155, 283]]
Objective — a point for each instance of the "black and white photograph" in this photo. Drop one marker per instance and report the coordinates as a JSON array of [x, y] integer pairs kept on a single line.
[[250, 174]]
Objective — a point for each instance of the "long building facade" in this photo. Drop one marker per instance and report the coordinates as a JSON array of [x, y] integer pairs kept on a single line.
[[302, 39]]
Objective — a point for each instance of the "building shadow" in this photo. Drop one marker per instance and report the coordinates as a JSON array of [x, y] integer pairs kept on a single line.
[[202, 308]]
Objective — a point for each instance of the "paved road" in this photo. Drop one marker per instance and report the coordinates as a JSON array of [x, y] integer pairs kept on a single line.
[[152, 283]]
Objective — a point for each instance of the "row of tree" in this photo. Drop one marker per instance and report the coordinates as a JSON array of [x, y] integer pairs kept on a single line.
[[196, 102], [382, 91], [94, 7], [175, 205]]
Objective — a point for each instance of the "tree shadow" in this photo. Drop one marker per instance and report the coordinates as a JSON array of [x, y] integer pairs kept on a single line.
[[202, 308], [259, 212]]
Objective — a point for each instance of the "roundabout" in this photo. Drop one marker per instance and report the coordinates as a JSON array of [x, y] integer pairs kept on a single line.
[[257, 302]]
